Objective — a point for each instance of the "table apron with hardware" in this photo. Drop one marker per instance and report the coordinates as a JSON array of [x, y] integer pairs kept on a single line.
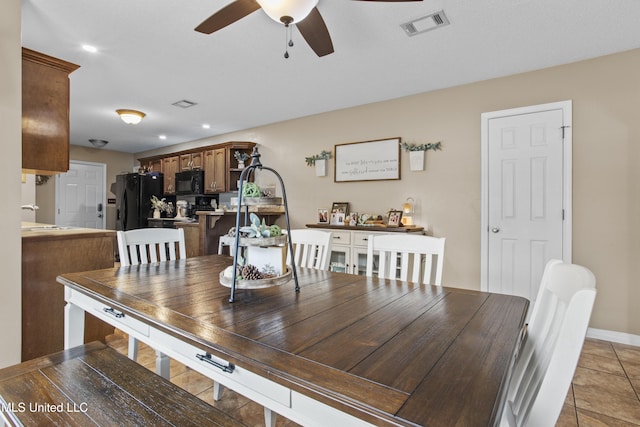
[[346, 350]]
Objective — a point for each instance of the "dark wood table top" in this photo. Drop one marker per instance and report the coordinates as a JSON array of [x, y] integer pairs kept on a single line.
[[384, 351]]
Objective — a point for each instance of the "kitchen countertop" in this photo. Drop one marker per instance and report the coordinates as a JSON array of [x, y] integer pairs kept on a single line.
[[185, 220], [34, 230]]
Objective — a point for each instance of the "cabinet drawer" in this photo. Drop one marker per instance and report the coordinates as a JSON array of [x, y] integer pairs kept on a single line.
[[361, 239], [108, 314], [341, 237], [245, 382]]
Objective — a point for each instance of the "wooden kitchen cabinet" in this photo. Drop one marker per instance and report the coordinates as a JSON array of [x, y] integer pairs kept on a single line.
[[153, 165], [215, 171], [45, 113], [221, 172], [170, 165], [233, 170], [45, 255], [190, 161]]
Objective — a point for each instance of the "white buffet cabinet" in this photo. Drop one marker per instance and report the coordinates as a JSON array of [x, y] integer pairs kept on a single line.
[[349, 245]]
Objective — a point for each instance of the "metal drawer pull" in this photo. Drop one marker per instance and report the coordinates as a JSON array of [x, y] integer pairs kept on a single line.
[[336, 237], [207, 358], [113, 312]]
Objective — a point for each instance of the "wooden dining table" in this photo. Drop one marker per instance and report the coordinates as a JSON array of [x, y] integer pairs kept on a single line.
[[344, 350]]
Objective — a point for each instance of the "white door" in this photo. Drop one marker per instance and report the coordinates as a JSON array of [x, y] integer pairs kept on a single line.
[[526, 195], [80, 195]]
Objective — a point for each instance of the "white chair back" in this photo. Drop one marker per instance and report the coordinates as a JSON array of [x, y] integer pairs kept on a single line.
[[144, 246], [311, 248], [147, 245], [549, 356], [422, 256]]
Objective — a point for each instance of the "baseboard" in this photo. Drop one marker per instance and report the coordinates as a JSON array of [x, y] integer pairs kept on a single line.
[[613, 336]]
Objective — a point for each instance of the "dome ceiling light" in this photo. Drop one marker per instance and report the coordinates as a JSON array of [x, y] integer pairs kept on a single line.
[[131, 117]]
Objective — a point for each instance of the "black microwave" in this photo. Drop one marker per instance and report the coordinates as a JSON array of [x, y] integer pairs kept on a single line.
[[190, 182]]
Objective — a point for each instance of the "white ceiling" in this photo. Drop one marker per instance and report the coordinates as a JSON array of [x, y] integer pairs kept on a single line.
[[149, 57]]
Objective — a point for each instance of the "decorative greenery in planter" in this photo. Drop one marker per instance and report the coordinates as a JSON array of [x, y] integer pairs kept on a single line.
[[416, 153], [324, 155], [320, 162], [421, 147]]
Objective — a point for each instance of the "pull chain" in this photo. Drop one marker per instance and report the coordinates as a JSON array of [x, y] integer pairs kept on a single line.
[[288, 35], [287, 21]]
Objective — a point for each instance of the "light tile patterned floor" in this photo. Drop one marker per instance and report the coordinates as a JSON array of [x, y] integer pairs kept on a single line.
[[604, 392], [605, 387]]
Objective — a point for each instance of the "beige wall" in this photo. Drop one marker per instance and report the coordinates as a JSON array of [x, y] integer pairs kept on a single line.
[[10, 176], [606, 145], [117, 163]]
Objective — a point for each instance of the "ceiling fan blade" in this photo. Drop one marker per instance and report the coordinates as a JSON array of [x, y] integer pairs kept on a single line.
[[315, 32], [228, 15]]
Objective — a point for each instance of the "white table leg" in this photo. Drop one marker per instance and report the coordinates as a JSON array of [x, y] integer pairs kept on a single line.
[[73, 326], [162, 365], [132, 350], [269, 417], [217, 390]]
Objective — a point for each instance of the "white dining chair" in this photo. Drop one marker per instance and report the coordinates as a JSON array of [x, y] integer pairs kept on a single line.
[[147, 245], [311, 248], [418, 255], [549, 355], [144, 246]]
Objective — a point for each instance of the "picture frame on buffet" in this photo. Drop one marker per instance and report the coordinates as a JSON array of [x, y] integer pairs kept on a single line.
[[395, 218], [323, 216]]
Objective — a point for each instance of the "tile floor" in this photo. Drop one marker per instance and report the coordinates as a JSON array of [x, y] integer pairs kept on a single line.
[[605, 389]]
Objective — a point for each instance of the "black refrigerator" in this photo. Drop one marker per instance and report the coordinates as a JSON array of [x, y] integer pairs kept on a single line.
[[133, 199]]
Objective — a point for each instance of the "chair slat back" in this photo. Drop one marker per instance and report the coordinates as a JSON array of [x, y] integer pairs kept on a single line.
[[149, 245], [415, 258], [312, 248], [549, 356]]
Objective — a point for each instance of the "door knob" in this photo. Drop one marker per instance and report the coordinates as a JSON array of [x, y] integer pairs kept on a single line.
[[495, 229]]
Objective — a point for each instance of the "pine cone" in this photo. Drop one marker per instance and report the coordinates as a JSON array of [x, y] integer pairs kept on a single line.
[[251, 272]]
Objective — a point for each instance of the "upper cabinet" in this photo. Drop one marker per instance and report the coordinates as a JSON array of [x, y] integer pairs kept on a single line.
[[221, 172], [234, 171], [215, 171], [170, 165], [190, 161], [45, 113]]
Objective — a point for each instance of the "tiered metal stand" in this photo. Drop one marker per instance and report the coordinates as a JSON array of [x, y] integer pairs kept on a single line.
[[244, 176]]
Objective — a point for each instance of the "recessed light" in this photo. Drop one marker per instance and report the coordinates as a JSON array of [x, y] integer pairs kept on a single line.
[[162, 136], [90, 48], [206, 126]]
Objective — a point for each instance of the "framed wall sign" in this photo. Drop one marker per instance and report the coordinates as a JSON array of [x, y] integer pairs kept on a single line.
[[367, 161]]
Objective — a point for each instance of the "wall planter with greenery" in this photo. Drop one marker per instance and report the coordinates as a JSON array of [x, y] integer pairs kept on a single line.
[[416, 153], [320, 162]]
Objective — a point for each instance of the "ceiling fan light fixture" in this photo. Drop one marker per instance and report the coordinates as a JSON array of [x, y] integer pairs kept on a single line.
[[296, 10], [131, 117]]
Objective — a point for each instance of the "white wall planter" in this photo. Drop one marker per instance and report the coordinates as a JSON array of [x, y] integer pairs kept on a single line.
[[416, 160], [321, 167]]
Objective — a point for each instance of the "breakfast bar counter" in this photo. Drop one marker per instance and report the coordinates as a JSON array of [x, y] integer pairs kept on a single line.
[[345, 350]]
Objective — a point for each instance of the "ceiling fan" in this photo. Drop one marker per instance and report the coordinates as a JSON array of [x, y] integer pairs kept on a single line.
[[302, 13]]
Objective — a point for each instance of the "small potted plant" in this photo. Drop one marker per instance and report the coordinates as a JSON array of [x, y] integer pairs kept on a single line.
[[241, 157], [320, 162], [416, 153]]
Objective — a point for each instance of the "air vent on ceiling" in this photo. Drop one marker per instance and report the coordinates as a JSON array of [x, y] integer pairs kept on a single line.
[[184, 104], [425, 23]]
